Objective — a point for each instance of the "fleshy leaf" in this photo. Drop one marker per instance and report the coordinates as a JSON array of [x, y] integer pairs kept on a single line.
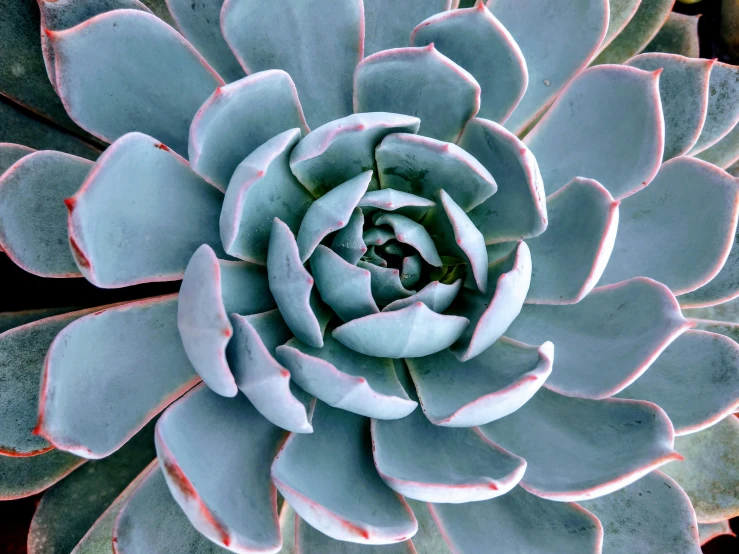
[[384, 281], [68, 510], [725, 152], [641, 29], [11, 153], [262, 188], [373, 258], [211, 290], [33, 219], [344, 287], [348, 241], [519, 522], [557, 42], [491, 313], [665, 235], [388, 24], [683, 90], [260, 377], [620, 12], [620, 147], [421, 82], [477, 41], [337, 456], [292, 285], [216, 453], [344, 148], [678, 35], [237, 119], [579, 449], [413, 234], [117, 239], [92, 400], [709, 473], [318, 44], [492, 385], [309, 539], [437, 296], [153, 94], [423, 166], [151, 521], [572, 255], [392, 200], [518, 210], [410, 270], [22, 353], [377, 236], [693, 399], [26, 476], [11, 320], [200, 22], [709, 531], [723, 106], [343, 378], [642, 313], [330, 213], [410, 332], [651, 515], [466, 466], [429, 537]]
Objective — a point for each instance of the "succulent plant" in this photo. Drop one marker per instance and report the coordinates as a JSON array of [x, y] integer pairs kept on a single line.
[[433, 271]]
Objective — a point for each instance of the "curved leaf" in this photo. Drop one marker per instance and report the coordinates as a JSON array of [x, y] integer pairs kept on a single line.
[[725, 152], [620, 12], [10, 153], [156, 95], [26, 476], [389, 24], [384, 281], [262, 188], [437, 296], [664, 235], [709, 531], [723, 106], [318, 44], [410, 270], [413, 234], [309, 539], [11, 320], [678, 35], [348, 241], [392, 200], [496, 383], [237, 119], [579, 449], [620, 147], [421, 82], [113, 228]]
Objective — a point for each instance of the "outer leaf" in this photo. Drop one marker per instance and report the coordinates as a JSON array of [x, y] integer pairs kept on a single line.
[[157, 95], [495, 384], [641, 29], [215, 453], [421, 82], [22, 353], [337, 457], [348, 241], [678, 35], [344, 287], [341, 149], [260, 377], [557, 42], [620, 147], [22, 477], [211, 290], [642, 313], [466, 466], [68, 510], [318, 44], [292, 286], [92, 400], [620, 12], [309, 539], [437, 296], [709, 473], [410, 332], [11, 320], [477, 41], [709, 531], [262, 188], [694, 400], [33, 220], [725, 152], [113, 229], [238, 118], [201, 26], [572, 255], [343, 378], [723, 106], [423, 166], [10, 153], [491, 313], [519, 522], [518, 210], [683, 90], [579, 449], [149, 520], [651, 515], [330, 213], [664, 235], [389, 24]]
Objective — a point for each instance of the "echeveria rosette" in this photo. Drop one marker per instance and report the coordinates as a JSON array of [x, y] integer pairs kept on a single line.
[[393, 327]]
